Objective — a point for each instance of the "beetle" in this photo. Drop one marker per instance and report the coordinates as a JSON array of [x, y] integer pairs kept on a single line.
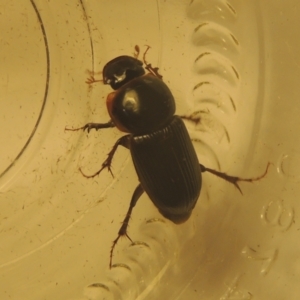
[[162, 152]]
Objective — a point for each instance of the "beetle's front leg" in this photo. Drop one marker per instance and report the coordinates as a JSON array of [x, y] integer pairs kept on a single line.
[[123, 230], [91, 79], [123, 141], [95, 126]]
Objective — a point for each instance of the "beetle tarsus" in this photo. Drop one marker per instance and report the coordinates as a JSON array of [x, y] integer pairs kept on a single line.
[[123, 141], [98, 172], [234, 179], [123, 230], [92, 79], [194, 117], [89, 126]]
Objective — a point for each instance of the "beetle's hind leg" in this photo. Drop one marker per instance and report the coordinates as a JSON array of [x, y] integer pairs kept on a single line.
[[89, 126], [123, 230], [234, 179]]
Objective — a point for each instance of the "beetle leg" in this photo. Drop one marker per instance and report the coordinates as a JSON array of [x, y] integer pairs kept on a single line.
[[123, 141], [234, 179], [123, 230], [90, 80], [95, 126], [194, 117]]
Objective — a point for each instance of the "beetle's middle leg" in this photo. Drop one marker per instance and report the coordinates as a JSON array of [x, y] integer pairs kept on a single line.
[[194, 117], [122, 141], [233, 179], [123, 230]]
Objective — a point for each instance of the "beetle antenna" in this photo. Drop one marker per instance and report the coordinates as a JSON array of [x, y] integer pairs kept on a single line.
[[148, 67], [136, 51], [144, 55]]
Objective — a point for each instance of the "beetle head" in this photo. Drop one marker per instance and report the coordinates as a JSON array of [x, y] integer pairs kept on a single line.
[[121, 70]]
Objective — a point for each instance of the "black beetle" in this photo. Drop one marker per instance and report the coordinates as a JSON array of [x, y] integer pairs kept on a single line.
[[162, 152]]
